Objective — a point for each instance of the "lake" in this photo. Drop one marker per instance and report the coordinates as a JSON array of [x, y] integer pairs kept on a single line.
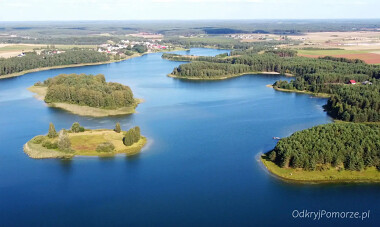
[[199, 167]]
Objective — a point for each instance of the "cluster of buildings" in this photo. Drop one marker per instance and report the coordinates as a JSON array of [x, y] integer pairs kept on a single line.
[[43, 52], [255, 37], [364, 83], [126, 44]]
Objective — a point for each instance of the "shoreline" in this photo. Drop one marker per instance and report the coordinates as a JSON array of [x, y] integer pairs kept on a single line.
[[319, 95], [84, 110], [224, 77], [7, 76], [66, 66], [293, 175]]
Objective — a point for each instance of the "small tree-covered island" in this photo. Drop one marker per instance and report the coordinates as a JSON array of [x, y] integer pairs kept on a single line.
[[336, 152], [85, 142], [86, 95]]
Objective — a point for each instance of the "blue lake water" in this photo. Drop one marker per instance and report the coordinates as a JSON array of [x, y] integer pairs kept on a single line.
[[200, 165]]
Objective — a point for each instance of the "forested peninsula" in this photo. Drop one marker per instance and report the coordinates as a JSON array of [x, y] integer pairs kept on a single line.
[[86, 95], [85, 142], [32, 61], [332, 77], [326, 153]]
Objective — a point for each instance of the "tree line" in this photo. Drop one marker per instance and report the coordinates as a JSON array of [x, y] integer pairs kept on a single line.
[[33, 60], [324, 75], [346, 145], [87, 90]]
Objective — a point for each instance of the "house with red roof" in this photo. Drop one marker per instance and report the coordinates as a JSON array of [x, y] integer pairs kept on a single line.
[[352, 82]]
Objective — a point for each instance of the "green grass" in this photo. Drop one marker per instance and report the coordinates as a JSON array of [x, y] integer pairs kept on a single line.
[[324, 176], [73, 46], [19, 47], [331, 52], [85, 143]]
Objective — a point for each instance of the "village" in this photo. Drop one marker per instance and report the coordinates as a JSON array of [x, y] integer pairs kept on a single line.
[[129, 45]]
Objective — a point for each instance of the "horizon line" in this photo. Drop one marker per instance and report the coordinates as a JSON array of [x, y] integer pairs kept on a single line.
[[143, 20]]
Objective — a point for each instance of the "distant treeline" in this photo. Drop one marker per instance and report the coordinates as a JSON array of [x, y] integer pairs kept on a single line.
[[324, 75], [345, 145], [179, 57], [182, 28], [87, 90], [34, 61], [298, 66], [222, 43], [71, 40]]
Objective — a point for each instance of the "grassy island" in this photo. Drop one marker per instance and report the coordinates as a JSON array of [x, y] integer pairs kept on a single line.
[[85, 142], [86, 95], [337, 152]]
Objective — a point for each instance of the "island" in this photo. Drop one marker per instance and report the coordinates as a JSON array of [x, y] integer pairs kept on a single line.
[[78, 141], [86, 95], [335, 152]]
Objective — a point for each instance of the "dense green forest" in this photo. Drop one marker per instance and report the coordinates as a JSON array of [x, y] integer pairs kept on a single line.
[[179, 57], [357, 103], [223, 43], [87, 90], [33, 60], [345, 145], [298, 66]]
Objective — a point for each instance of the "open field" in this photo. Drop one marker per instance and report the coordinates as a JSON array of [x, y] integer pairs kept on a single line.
[[363, 45], [328, 52], [351, 40], [12, 50], [369, 58]]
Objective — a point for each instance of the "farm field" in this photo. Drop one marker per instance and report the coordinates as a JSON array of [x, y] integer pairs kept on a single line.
[[12, 50], [361, 45], [368, 56]]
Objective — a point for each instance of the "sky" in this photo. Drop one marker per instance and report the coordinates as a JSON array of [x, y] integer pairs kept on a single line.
[[57, 10]]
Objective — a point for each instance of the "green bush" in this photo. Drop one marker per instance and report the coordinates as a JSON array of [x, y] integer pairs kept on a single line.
[[105, 147], [38, 139], [131, 136], [75, 127], [49, 145]]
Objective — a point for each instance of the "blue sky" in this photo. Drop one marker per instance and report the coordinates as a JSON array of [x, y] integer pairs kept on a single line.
[[36, 10]]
